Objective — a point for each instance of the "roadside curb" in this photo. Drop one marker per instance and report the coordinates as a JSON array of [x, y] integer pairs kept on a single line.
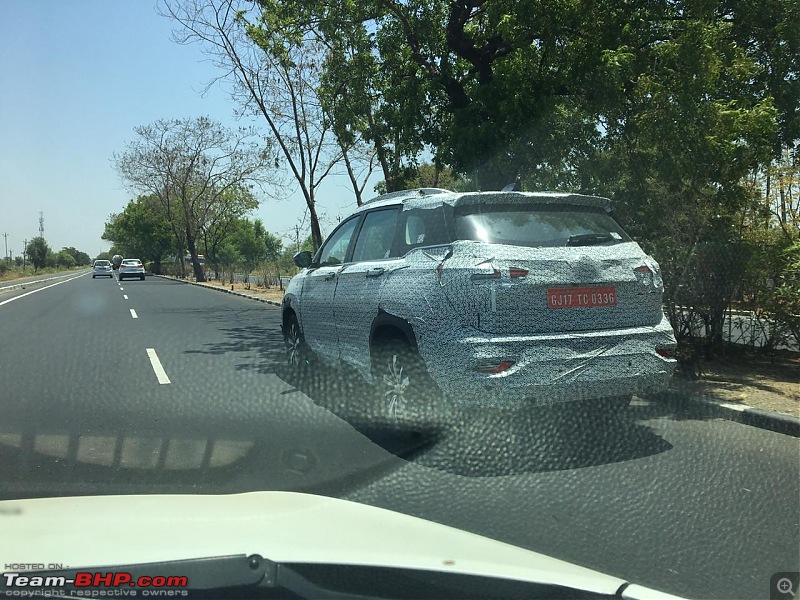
[[740, 413], [208, 287], [14, 286]]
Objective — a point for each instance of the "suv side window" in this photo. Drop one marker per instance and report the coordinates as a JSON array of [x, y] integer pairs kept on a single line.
[[334, 250], [423, 227], [377, 233]]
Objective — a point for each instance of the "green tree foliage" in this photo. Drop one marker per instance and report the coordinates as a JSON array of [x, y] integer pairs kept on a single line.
[[142, 231], [222, 220], [255, 245], [64, 259], [80, 258], [430, 176], [37, 251], [191, 166], [104, 256]]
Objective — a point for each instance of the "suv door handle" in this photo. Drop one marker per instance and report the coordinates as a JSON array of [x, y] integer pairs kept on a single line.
[[329, 276], [376, 272]]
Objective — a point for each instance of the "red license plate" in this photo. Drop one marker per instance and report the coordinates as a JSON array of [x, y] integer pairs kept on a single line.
[[581, 297]]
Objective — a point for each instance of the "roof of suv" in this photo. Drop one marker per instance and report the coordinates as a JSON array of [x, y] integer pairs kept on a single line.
[[434, 197]]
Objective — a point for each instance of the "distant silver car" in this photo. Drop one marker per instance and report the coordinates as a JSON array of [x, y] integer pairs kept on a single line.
[[102, 268], [494, 298], [129, 268]]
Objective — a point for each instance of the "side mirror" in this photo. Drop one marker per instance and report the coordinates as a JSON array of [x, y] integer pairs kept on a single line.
[[303, 259]]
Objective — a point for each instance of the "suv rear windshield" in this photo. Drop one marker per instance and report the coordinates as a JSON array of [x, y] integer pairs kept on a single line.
[[537, 225], [101, 263]]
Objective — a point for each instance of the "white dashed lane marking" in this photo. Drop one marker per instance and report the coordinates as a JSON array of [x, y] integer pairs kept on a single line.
[[125, 296], [161, 374], [133, 314]]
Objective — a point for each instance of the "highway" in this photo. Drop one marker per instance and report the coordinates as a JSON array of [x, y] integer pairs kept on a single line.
[[158, 386]]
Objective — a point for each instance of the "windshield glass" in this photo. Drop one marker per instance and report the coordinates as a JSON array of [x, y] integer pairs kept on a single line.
[[537, 226]]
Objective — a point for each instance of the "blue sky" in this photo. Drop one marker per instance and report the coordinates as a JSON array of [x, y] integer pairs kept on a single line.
[[75, 79]]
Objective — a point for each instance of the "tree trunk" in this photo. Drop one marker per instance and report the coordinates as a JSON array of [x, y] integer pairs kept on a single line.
[[316, 232], [199, 274]]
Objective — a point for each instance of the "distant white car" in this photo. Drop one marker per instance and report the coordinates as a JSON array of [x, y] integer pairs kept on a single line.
[[102, 268], [131, 268]]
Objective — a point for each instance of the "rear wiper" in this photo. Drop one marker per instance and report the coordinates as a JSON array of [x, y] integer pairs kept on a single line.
[[589, 239]]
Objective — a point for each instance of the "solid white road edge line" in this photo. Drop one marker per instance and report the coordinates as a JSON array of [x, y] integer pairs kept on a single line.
[[39, 290], [35, 281], [161, 374], [133, 314]]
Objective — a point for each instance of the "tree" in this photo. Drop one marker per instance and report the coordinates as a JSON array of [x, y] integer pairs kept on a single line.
[[104, 256], [275, 69], [430, 176], [65, 259], [142, 230], [250, 245], [37, 251], [80, 258], [191, 166], [222, 220]]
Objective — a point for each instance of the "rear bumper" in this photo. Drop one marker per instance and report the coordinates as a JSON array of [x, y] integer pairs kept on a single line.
[[549, 369], [125, 274]]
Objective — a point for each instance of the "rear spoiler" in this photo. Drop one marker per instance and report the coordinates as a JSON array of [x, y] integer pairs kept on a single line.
[[511, 197]]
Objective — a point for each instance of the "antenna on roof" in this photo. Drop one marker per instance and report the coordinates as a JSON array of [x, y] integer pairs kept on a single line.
[[512, 187]]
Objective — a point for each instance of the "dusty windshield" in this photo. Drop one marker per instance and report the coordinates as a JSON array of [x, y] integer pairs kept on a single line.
[[530, 270]]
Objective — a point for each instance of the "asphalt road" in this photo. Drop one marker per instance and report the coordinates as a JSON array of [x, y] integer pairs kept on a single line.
[[192, 396]]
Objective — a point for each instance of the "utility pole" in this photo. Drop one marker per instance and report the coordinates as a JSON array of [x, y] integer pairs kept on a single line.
[[24, 253], [41, 224], [5, 237]]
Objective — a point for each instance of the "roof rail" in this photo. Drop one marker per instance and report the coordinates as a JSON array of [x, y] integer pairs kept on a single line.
[[409, 193]]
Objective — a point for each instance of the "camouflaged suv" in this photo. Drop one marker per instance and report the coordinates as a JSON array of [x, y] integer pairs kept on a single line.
[[490, 298]]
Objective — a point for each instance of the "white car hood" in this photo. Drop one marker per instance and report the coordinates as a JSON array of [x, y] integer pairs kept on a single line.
[[104, 531]]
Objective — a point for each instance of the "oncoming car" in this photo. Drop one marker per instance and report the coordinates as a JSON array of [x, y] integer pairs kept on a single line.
[[131, 267], [492, 298]]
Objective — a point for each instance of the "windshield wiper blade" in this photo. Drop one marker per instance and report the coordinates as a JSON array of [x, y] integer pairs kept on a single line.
[[589, 239]]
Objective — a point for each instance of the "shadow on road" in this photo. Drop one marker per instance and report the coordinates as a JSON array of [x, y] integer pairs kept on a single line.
[[469, 442], [482, 442]]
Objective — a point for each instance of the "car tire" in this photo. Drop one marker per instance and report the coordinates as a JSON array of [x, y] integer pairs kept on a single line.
[[94, 276], [298, 354], [141, 278], [406, 395]]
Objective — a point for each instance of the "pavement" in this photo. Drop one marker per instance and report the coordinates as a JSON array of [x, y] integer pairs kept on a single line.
[[222, 289], [740, 413], [161, 387], [716, 407]]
